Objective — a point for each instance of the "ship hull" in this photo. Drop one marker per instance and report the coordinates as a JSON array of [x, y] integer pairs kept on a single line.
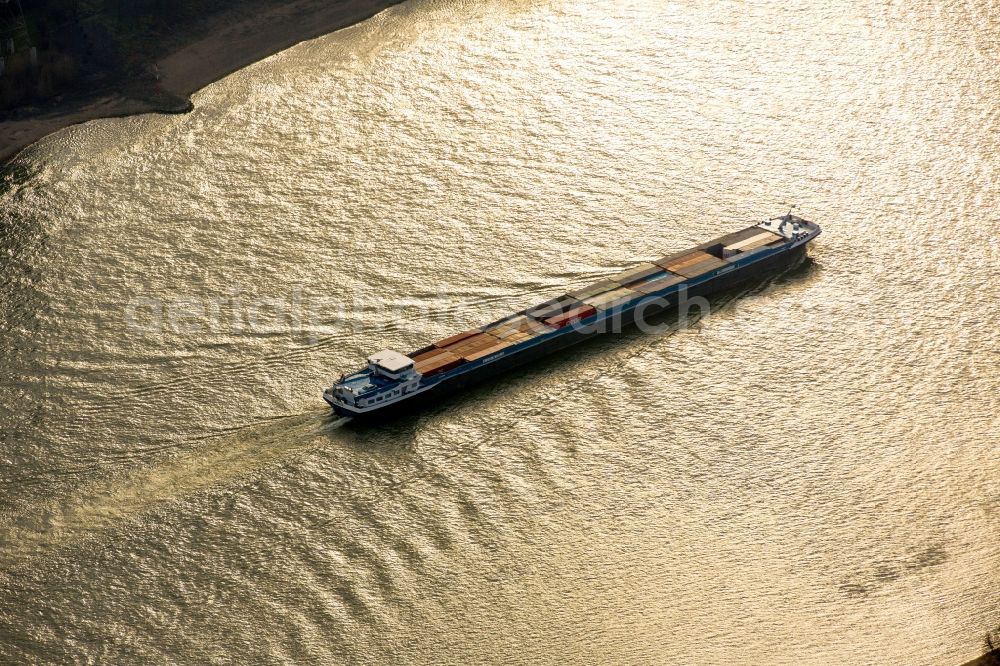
[[628, 317]]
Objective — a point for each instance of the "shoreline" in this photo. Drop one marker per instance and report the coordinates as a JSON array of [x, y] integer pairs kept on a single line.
[[227, 42], [989, 659]]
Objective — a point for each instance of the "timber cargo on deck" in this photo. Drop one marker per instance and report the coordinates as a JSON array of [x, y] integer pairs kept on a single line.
[[391, 380]]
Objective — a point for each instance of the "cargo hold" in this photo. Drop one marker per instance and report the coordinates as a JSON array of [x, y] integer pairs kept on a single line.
[[553, 307], [640, 272], [570, 316], [753, 242], [612, 299], [657, 283], [475, 356], [455, 338], [686, 260], [701, 267], [438, 363], [594, 289]]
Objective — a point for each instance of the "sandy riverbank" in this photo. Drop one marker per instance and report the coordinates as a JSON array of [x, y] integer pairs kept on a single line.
[[226, 43]]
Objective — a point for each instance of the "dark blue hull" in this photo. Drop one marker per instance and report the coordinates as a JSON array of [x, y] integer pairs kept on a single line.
[[637, 313]]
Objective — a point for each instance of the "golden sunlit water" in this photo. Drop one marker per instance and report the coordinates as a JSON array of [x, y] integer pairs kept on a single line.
[[806, 475]]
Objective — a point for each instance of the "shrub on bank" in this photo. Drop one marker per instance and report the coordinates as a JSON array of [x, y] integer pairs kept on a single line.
[[23, 83]]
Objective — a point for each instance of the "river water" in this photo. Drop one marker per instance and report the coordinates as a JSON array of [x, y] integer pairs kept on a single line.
[[807, 474]]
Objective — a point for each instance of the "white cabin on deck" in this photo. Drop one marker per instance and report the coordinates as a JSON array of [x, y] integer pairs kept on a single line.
[[391, 364]]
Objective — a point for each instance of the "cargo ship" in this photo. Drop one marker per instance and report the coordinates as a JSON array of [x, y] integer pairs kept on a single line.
[[392, 381]]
